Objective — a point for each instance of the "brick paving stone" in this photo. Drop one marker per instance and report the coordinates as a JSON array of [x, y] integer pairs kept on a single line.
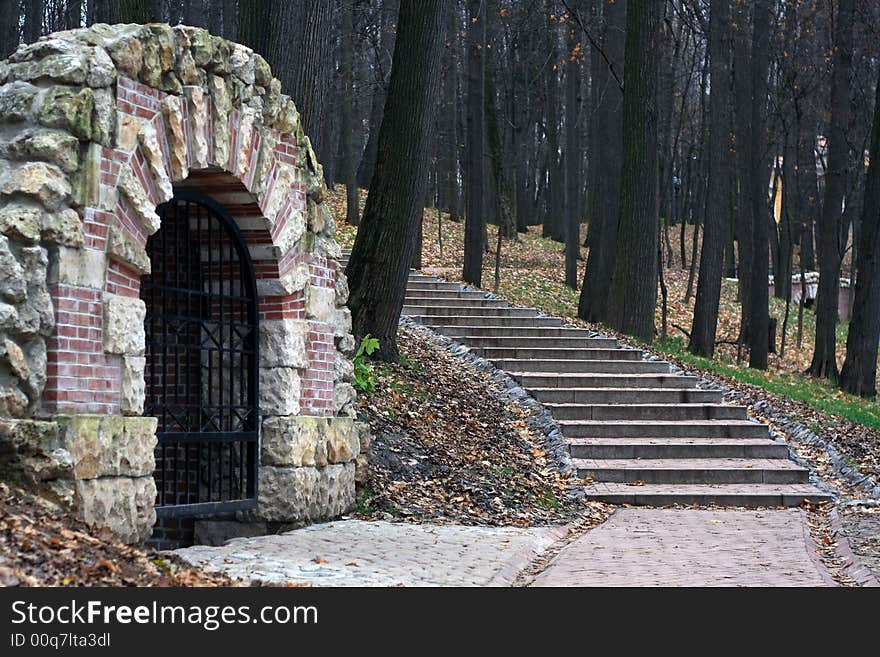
[[361, 553], [690, 547]]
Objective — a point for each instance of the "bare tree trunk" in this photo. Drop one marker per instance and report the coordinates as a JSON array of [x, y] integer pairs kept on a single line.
[[572, 156], [33, 20], [383, 68], [859, 373], [634, 282], [503, 200], [347, 128], [9, 35], [386, 241], [742, 218], [606, 163], [824, 363], [759, 320], [73, 14], [716, 218], [473, 239]]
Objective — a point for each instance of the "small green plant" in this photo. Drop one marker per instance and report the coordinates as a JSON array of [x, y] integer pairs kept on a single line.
[[364, 380]]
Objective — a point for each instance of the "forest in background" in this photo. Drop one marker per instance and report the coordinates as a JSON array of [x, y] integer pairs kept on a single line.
[[762, 128]]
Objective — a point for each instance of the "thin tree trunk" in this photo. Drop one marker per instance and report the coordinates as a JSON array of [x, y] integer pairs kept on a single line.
[[473, 238], [759, 320], [572, 157], [824, 363], [383, 67], [716, 218], [743, 223], [346, 115], [386, 241]]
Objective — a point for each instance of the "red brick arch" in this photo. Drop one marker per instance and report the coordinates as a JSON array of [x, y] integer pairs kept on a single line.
[[81, 377]]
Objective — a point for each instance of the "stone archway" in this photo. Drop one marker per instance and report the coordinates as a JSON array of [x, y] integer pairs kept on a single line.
[[98, 127]]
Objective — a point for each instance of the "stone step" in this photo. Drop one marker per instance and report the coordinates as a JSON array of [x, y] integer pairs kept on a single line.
[[748, 495], [693, 471], [675, 448], [479, 302], [625, 395], [675, 412], [497, 310], [532, 380], [516, 332], [557, 353], [432, 319], [662, 429], [529, 341], [518, 365], [446, 294], [425, 285]]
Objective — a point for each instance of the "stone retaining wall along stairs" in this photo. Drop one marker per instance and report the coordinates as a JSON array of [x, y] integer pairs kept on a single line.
[[639, 433]]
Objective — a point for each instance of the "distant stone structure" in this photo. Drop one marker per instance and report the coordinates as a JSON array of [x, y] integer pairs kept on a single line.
[[102, 131]]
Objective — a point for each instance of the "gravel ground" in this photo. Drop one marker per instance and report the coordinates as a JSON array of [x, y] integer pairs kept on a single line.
[[862, 530]]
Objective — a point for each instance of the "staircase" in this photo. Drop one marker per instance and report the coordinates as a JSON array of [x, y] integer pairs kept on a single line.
[[637, 432]]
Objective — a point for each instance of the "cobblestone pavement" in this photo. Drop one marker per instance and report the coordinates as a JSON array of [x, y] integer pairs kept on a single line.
[[863, 533], [691, 547], [361, 553]]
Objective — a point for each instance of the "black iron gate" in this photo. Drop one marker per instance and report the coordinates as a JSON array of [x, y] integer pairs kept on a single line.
[[202, 360]]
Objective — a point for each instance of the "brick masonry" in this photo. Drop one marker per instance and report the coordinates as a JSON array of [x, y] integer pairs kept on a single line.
[[159, 109]]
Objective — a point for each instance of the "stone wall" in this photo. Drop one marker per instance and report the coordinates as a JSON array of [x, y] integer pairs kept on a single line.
[[98, 127]]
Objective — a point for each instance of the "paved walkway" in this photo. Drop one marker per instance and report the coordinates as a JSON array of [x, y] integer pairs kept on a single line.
[[361, 553], [691, 547], [635, 547]]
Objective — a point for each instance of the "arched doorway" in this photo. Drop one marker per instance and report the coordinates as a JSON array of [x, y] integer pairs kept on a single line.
[[201, 370]]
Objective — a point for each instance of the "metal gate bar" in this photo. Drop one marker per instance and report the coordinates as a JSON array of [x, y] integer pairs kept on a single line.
[[201, 359]]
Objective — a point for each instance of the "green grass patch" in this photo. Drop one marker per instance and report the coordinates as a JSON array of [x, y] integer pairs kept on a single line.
[[811, 392]]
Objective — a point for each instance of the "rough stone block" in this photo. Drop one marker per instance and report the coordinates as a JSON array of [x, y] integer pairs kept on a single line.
[[305, 494], [173, 115], [69, 109], [343, 395], [343, 370], [79, 267], [44, 182], [109, 445], [320, 303], [13, 284], [133, 391], [283, 343], [16, 101], [62, 227], [341, 322], [21, 221], [308, 441], [124, 249], [53, 146], [341, 288], [290, 441], [124, 326], [32, 452], [149, 142], [123, 505], [131, 187], [198, 121], [342, 440], [280, 391]]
